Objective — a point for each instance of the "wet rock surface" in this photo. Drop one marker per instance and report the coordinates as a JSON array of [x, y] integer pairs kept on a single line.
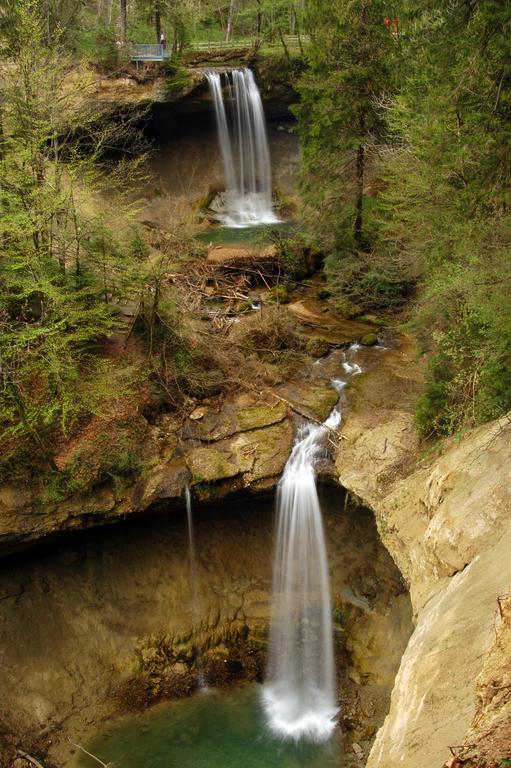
[[122, 633]]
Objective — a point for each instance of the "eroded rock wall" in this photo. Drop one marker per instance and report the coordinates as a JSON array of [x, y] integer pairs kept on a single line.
[[105, 621], [447, 523]]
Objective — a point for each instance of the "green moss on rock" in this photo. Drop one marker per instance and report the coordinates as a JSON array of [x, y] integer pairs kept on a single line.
[[314, 400], [256, 416], [317, 346], [369, 340], [280, 293], [209, 464], [267, 449]]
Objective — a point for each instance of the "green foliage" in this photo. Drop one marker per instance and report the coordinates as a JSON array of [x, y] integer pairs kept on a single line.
[[350, 67], [430, 108], [96, 42], [280, 293], [178, 79], [62, 271], [445, 206]]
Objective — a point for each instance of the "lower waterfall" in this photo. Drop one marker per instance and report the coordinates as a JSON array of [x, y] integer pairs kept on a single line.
[[244, 148], [299, 696]]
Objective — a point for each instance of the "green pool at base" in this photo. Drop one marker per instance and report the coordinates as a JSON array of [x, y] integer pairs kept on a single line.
[[210, 730], [257, 235]]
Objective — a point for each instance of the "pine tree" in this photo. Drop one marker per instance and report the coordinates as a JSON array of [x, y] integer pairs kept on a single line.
[[52, 292], [340, 121]]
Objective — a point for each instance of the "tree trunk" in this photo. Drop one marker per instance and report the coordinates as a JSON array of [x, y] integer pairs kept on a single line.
[[360, 196], [230, 21], [123, 20], [298, 32], [284, 46], [259, 19], [292, 19], [157, 20]]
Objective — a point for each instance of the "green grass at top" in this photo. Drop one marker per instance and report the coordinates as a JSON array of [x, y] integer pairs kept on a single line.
[[246, 236]]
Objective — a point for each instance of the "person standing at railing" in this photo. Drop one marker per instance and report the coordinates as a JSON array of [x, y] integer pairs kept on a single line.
[[163, 42]]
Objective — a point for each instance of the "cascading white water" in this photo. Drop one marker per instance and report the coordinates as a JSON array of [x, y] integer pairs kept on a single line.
[[244, 149], [299, 695]]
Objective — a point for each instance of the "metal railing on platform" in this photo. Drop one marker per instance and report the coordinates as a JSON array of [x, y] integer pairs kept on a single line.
[[140, 52], [150, 52]]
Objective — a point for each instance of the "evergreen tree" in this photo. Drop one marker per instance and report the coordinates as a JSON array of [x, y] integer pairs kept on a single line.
[[350, 69], [55, 299], [446, 205]]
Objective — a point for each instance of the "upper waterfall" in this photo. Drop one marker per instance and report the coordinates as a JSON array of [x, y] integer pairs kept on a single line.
[[244, 148]]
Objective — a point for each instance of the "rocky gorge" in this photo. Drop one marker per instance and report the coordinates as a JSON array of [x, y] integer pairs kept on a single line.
[[441, 518], [95, 609]]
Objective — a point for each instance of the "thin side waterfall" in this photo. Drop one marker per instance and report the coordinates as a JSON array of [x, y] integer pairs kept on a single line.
[[244, 149], [193, 580], [299, 696]]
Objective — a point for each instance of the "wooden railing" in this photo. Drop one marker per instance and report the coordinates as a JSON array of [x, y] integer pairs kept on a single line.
[[291, 40], [157, 52]]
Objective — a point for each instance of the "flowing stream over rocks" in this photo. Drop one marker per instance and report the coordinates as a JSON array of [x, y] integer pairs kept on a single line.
[[300, 695]]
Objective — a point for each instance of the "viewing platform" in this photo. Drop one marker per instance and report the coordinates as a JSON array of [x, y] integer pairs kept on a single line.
[[140, 52]]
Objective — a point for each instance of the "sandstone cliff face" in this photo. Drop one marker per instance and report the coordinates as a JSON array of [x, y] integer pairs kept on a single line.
[[446, 523], [228, 445]]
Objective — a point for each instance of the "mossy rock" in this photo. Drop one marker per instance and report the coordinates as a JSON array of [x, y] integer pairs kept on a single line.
[[317, 401], [266, 449], [324, 399], [210, 464], [369, 340], [381, 322], [317, 346], [324, 293], [280, 293], [244, 305], [257, 416], [346, 310]]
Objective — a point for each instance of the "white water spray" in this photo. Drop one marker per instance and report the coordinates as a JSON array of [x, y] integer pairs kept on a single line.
[[244, 149], [299, 696]]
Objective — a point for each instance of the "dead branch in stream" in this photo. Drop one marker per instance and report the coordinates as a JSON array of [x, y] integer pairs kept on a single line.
[[86, 752], [333, 436], [29, 758]]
